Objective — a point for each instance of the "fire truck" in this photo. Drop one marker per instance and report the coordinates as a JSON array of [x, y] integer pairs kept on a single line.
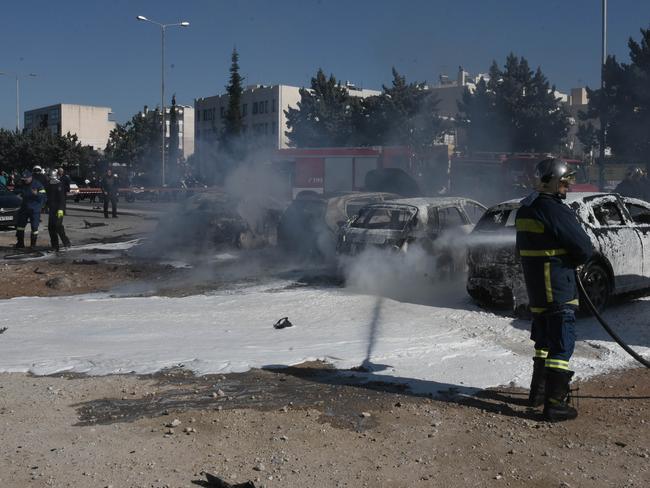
[[336, 169], [492, 177]]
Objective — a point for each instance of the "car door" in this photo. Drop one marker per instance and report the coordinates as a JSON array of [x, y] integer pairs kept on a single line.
[[619, 241], [640, 214]]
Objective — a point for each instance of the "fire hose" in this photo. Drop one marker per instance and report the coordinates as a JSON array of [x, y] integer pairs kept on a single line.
[[607, 328]]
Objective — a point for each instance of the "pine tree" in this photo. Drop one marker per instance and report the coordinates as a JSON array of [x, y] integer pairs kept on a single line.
[[233, 118], [623, 104], [172, 151], [324, 114], [516, 110]]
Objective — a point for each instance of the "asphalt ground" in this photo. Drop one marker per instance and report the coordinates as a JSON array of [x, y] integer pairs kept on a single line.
[[85, 223]]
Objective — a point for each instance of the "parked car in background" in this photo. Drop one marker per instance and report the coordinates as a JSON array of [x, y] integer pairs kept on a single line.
[[309, 225], [619, 229], [9, 205], [398, 224]]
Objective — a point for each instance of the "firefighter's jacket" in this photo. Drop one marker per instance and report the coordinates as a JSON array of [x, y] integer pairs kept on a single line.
[[56, 196], [551, 243], [33, 195]]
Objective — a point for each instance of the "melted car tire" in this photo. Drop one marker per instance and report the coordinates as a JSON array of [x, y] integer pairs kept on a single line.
[[597, 285]]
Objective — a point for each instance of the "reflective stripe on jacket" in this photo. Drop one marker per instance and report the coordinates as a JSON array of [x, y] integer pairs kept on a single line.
[[551, 243]]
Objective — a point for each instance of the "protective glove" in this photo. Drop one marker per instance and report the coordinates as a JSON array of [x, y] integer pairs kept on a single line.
[[59, 214]]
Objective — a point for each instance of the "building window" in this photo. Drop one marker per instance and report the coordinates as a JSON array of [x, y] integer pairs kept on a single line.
[[266, 128], [244, 109], [273, 127], [254, 107], [198, 134], [223, 112], [266, 107], [273, 105]]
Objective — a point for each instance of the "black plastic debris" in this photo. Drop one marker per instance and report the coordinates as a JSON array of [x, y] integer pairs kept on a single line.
[[2, 329], [282, 323], [216, 482], [88, 225]]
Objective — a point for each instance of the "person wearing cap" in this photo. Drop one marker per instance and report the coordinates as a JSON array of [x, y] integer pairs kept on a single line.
[[56, 201], [33, 194], [551, 244]]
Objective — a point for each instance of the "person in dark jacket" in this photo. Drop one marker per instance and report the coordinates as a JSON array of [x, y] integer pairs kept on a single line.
[[552, 244], [56, 195], [64, 179], [633, 185], [33, 194], [109, 190]]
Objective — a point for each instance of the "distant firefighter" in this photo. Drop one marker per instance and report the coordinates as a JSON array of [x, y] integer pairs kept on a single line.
[[109, 190], [634, 185], [56, 199], [33, 194]]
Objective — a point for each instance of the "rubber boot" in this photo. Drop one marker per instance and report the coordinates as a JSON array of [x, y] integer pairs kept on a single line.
[[32, 240], [20, 239], [538, 383], [556, 408]]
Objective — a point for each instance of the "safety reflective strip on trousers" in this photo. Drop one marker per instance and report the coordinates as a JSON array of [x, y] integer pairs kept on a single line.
[[529, 225], [542, 252], [575, 302], [557, 364], [547, 282], [541, 353]]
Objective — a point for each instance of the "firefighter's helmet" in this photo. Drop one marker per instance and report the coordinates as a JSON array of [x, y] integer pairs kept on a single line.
[[635, 173], [552, 173]]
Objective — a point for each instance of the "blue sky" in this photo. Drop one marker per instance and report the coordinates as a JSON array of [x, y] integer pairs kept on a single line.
[[95, 52]]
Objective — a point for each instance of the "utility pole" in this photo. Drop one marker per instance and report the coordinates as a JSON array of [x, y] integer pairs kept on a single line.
[[603, 107]]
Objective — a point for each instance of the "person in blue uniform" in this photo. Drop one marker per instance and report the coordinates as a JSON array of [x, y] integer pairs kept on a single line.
[[551, 244], [33, 194]]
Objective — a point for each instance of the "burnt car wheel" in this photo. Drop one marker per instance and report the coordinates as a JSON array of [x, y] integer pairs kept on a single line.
[[597, 284]]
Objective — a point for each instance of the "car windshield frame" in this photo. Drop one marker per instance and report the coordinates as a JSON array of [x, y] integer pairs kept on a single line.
[[406, 214]]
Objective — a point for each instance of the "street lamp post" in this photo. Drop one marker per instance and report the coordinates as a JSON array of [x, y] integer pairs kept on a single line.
[[603, 108], [162, 81], [18, 77]]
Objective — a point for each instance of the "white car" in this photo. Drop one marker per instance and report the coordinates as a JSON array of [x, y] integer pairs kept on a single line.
[[619, 228]]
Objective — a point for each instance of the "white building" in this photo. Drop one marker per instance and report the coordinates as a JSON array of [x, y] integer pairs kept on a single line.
[[185, 124], [92, 125], [262, 110]]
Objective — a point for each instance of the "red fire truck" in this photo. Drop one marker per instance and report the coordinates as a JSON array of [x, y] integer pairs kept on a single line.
[[492, 177], [334, 169]]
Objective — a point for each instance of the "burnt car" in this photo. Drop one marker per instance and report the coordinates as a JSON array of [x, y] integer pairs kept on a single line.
[[619, 229], [219, 220], [398, 224], [9, 205], [309, 225]]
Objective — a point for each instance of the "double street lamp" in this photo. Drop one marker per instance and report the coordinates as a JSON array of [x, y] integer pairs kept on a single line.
[[162, 81], [18, 78]]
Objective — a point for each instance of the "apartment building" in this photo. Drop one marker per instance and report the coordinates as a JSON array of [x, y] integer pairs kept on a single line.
[[92, 125], [262, 109]]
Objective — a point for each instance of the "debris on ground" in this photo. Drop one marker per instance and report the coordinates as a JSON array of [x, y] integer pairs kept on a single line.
[[216, 482], [282, 323], [88, 225], [3, 329]]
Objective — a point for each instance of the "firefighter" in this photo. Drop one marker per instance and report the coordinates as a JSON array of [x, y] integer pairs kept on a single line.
[[109, 190], [551, 244], [633, 185], [33, 194], [56, 195]]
